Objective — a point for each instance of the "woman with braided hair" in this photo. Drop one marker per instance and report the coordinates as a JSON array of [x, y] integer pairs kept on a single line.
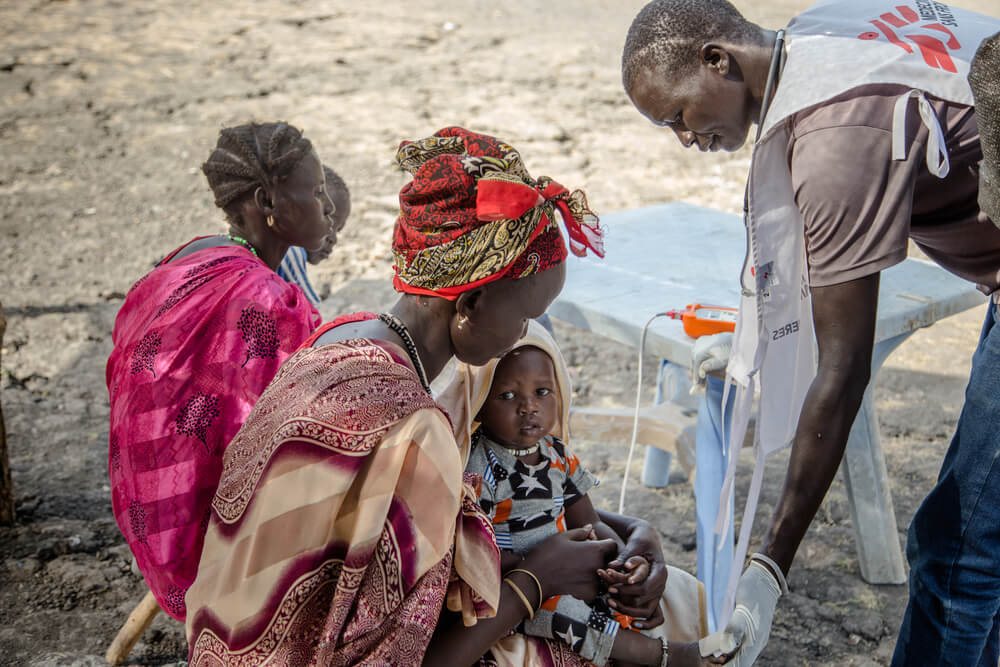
[[197, 341], [293, 266], [343, 525]]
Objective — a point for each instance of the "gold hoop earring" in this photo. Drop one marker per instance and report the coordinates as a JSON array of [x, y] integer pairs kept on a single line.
[[462, 321], [270, 221]]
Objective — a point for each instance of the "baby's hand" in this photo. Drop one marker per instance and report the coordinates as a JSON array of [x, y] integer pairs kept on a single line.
[[611, 576], [633, 571]]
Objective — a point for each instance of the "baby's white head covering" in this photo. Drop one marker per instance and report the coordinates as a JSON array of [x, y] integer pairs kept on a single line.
[[470, 385]]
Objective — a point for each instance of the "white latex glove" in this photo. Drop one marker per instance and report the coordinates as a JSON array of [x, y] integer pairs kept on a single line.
[[750, 626], [709, 354]]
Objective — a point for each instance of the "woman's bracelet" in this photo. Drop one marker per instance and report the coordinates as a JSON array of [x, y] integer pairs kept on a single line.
[[665, 660], [541, 596], [520, 594]]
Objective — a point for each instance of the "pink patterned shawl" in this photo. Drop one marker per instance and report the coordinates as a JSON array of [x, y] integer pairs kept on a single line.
[[342, 524], [195, 344]]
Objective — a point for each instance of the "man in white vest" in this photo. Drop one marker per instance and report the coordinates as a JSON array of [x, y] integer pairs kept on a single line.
[[866, 137]]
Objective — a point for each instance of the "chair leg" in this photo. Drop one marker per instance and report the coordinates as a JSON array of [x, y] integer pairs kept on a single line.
[[140, 619]]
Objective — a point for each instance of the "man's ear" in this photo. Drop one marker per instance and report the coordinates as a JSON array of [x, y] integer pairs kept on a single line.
[[262, 199], [716, 57]]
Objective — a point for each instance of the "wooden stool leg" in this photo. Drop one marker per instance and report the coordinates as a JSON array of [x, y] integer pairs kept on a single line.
[[135, 625], [7, 514]]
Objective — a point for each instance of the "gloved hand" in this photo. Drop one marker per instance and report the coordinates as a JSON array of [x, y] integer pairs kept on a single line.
[[710, 354], [750, 626]]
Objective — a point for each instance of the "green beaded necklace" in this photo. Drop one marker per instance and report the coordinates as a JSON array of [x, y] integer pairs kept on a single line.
[[243, 242]]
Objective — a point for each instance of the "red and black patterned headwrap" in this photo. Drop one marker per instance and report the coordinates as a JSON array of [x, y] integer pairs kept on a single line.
[[472, 214]]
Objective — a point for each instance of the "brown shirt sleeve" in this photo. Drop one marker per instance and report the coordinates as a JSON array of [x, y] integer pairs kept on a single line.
[[854, 199], [859, 205]]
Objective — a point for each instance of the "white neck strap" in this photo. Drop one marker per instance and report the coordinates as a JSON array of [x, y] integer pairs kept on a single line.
[[937, 152]]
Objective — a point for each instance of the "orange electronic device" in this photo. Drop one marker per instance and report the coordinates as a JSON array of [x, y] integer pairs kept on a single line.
[[702, 320]]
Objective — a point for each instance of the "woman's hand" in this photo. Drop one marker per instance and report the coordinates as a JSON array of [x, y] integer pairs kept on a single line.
[[567, 563], [642, 558]]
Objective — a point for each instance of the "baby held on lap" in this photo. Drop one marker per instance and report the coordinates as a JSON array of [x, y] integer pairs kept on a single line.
[[533, 487]]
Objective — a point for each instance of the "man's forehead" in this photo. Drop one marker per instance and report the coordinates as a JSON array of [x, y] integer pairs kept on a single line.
[[660, 84]]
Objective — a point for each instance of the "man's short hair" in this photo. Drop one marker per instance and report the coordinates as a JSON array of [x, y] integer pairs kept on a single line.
[[669, 34]]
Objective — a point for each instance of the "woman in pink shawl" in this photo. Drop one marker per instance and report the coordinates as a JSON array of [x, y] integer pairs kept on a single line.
[[199, 338]]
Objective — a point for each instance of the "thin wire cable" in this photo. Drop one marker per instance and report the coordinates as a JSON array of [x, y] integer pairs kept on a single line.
[[635, 416]]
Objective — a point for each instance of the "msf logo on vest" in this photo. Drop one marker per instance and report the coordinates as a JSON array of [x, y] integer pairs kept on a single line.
[[926, 31]]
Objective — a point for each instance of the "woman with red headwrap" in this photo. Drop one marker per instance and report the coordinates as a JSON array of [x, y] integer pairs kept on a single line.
[[342, 524]]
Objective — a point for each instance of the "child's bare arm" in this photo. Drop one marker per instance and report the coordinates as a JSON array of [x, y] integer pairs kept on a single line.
[[582, 512]]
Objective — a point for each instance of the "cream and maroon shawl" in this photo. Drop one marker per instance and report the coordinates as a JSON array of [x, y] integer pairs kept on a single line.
[[342, 524]]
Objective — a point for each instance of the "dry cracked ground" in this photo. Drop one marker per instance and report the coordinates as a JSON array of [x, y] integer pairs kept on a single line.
[[108, 108]]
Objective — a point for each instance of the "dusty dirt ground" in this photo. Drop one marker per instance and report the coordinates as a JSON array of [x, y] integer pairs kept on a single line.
[[107, 110]]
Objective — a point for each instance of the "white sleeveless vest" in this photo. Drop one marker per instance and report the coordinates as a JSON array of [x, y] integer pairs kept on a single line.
[[833, 47]]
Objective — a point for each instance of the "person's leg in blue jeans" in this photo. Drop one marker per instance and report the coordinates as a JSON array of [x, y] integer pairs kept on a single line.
[[953, 545]]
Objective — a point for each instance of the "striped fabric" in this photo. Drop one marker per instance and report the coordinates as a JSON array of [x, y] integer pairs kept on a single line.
[[323, 546], [293, 270]]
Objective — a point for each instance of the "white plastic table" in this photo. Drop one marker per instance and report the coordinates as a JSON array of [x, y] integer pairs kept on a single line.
[[670, 255]]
